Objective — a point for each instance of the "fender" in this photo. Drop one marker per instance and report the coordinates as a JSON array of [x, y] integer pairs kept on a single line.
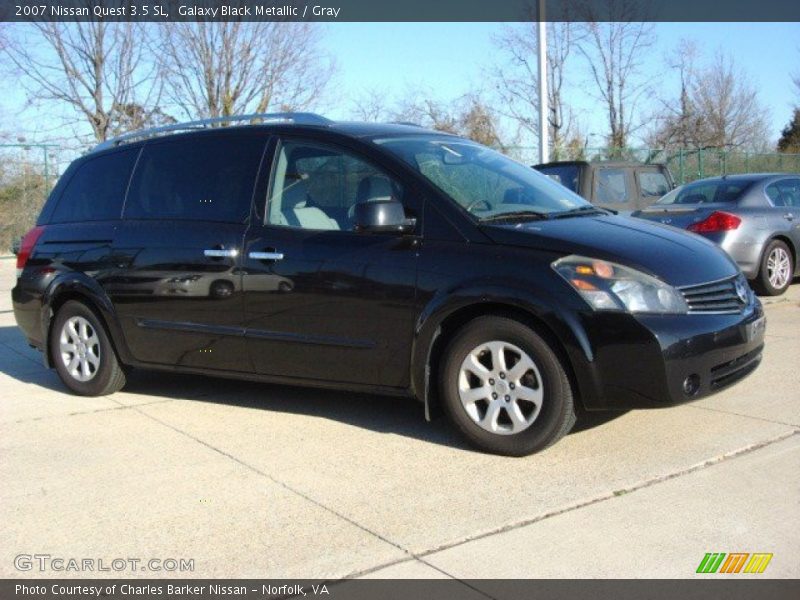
[[80, 285], [538, 303]]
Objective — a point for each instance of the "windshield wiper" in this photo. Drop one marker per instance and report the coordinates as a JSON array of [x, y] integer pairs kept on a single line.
[[516, 215], [586, 210]]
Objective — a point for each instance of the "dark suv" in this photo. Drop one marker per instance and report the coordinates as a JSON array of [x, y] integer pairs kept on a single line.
[[620, 186], [381, 258]]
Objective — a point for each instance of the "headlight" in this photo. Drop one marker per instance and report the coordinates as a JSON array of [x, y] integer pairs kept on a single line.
[[609, 286]]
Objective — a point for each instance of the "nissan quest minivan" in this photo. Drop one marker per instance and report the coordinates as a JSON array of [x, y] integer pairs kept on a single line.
[[383, 258]]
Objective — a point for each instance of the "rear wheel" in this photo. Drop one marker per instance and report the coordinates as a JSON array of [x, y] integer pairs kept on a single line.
[[505, 389], [82, 352], [777, 269]]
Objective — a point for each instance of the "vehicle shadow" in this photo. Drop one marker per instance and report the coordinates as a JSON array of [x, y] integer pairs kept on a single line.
[[587, 419], [383, 414]]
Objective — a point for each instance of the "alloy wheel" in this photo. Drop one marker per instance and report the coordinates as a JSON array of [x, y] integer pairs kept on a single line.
[[80, 349], [779, 268], [500, 388]]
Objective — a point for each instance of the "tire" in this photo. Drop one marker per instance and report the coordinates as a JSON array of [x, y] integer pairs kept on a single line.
[[776, 270], [86, 362], [517, 410]]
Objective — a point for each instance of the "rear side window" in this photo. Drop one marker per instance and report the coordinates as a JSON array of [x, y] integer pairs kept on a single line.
[[653, 183], [611, 186], [785, 192], [198, 179], [706, 192], [566, 175], [97, 189]]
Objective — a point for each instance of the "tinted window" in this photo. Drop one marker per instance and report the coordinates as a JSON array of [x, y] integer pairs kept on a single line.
[[653, 183], [704, 192], [198, 179], [611, 186], [785, 192], [97, 189], [566, 175], [317, 187]]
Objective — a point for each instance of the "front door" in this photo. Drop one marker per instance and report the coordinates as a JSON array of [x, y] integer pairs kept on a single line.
[[321, 300], [784, 195], [176, 284]]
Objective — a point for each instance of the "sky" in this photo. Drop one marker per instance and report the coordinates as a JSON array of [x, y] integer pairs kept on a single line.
[[451, 59]]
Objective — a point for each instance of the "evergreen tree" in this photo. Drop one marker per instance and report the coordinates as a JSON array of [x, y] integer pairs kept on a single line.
[[790, 136]]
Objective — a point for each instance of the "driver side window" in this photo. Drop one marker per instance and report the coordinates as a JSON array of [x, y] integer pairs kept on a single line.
[[317, 187]]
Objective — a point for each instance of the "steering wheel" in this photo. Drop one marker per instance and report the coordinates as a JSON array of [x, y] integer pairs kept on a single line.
[[475, 203]]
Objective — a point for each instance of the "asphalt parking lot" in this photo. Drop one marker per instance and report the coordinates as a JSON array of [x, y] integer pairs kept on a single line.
[[254, 480]]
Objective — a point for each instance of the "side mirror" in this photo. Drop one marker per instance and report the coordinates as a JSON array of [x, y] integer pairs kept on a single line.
[[382, 216]]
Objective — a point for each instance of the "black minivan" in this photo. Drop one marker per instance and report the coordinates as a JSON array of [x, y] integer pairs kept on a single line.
[[383, 258]]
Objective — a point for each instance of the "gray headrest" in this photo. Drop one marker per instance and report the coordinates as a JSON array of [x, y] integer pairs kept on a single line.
[[374, 188]]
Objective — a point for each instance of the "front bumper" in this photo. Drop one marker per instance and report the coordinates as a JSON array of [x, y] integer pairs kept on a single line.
[[28, 314], [650, 361]]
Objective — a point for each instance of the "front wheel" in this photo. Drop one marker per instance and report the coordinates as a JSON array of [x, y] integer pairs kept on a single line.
[[82, 352], [505, 389]]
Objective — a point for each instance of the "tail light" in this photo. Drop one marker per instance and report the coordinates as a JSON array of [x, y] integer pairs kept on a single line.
[[26, 247], [716, 221]]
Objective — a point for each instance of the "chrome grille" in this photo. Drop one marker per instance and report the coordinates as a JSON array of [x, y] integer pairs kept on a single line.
[[717, 296]]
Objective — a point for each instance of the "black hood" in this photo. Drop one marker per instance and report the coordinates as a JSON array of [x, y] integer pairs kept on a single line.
[[674, 256]]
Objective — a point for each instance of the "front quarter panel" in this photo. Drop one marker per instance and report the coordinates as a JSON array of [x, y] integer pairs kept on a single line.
[[483, 278]]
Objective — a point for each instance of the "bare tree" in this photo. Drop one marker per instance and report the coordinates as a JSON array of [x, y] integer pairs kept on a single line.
[[517, 80], [677, 120], [421, 108], [614, 49], [479, 124], [129, 117], [468, 116], [234, 67], [96, 68], [732, 115], [717, 107], [372, 106], [796, 82]]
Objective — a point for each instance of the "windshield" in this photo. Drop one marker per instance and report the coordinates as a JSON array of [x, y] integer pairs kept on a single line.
[[706, 192], [486, 183]]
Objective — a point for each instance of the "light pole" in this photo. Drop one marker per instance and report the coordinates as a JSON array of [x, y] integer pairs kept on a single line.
[[544, 142]]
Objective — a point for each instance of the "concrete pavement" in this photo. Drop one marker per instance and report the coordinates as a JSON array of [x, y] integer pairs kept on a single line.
[[254, 480]]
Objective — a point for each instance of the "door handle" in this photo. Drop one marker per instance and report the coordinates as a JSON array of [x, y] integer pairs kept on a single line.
[[219, 253], [266, 255], [789, 216]]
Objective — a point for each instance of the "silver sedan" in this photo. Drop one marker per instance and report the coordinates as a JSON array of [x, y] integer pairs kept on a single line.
[[754, 217]]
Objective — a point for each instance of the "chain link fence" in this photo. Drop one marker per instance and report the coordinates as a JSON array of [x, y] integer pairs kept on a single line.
[[685, 164], [27, 174]]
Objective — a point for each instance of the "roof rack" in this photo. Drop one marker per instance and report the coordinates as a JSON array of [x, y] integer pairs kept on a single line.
[[301, 118]]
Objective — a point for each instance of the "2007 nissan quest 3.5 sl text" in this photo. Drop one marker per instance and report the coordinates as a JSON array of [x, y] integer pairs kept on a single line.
[[382, 258]]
